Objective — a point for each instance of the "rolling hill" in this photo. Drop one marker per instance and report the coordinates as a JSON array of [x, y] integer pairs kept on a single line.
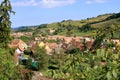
[[84, 27]]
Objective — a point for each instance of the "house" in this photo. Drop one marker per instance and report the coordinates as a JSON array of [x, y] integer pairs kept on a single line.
[[19, 34], [52, 45], [116, 41], [68, 39], [41, 44], [18, 43], [89, 44], [33, 45], [52, 31], [46, 46], [37, 38], [48, 50]]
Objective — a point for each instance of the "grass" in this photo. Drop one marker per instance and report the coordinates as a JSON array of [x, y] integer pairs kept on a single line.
[[106, 23], [89, 33], [95, 22]]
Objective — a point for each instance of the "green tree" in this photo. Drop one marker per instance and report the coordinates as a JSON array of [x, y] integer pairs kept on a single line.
[[42, 58], [85, 28], [7, 67], [107, 32], [5, 23]]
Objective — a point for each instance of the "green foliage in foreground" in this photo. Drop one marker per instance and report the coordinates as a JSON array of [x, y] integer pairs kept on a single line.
[[8, 71], [100, 65]]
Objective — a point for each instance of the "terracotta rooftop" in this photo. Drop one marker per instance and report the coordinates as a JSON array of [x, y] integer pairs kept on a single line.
[[15, 41], [52, 45]]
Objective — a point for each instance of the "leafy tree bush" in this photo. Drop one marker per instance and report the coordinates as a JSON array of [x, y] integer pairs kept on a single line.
[[25, 38], [117, 15], [104, 33], [42, 26], [5, 23], [8, 71], [85, 28], [42, 58], [102, 65]]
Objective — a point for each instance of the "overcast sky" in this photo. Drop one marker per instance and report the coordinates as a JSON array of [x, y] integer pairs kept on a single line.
[[36, 12]]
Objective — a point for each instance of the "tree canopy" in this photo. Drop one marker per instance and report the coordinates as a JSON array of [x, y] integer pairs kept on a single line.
[[5, 23]]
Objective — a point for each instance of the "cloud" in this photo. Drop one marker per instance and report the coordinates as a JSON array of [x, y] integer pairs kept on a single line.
[[95, 1], [43, 3], [56, 3], [24, 3]]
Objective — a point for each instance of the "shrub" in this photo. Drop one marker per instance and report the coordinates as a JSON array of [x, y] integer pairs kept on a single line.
[[42, 58], [7, 67]]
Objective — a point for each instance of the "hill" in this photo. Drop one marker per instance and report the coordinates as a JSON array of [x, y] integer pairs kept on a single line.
[[85, 27]]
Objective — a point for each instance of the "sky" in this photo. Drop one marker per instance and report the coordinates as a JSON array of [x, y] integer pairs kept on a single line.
[[36, 12]]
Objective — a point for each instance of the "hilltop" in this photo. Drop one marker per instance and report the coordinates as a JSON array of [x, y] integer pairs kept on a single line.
[[85, 27]]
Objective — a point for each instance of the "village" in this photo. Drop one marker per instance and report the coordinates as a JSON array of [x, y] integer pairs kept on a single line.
[[59, 42]]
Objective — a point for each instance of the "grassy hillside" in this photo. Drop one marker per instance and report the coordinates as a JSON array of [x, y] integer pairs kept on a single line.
[[106, 23], [79, 23], [76, 27]]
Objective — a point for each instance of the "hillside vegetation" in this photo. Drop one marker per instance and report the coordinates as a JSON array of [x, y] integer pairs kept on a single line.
[[86, 27]]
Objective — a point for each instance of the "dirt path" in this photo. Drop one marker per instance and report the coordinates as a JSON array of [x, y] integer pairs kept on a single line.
[[37, 76]]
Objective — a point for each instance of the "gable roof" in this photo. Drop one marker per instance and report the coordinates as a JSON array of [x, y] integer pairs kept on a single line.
[[52, 45], [41, 44], [18, 43], [15, 42]]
